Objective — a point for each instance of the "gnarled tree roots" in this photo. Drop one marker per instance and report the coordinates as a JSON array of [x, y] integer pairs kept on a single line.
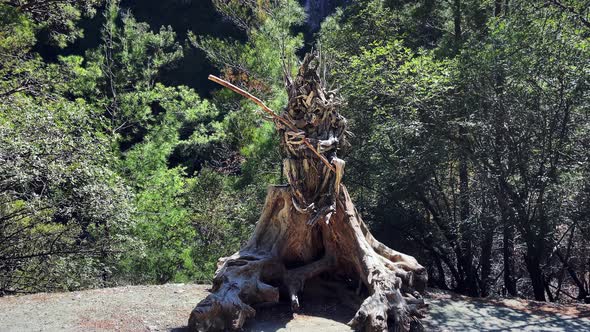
[[284, 252]]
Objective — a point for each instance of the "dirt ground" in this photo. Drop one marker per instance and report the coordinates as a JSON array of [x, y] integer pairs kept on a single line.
[[166, 308]]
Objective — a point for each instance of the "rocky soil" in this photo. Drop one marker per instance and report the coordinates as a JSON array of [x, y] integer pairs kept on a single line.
[[166, 308]]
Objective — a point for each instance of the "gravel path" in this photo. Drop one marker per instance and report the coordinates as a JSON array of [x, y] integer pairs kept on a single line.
[[166, 308], [474, 315]]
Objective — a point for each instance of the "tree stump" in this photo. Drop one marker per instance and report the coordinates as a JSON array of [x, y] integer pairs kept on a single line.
[[310, 228], [284, 252]]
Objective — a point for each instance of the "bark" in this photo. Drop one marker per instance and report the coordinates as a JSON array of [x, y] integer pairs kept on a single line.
[[532, 259], [284, 252], [497, 8], [507, 243], [548, 291], [466, 254], [440, 282], [537, 278]]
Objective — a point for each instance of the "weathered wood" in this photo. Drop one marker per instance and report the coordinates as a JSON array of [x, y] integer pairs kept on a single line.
[[284, 252], [309, 229], [270, 112]]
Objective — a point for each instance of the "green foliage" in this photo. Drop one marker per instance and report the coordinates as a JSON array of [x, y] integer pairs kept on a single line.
[[56, 18], [63, 212], [20, 69], [223, 216], [138, 54], [470, 149], [102, 160], [261, 57], [249, 15], [477, 137], [347, 31], [163, 223], [17, 31], [130, 61]]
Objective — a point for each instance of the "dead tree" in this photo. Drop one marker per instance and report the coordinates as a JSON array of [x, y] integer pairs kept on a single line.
[[310, 228]]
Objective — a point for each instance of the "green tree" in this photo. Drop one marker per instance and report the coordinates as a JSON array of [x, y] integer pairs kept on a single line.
[[259, 66], [64, 213], [473, 143]]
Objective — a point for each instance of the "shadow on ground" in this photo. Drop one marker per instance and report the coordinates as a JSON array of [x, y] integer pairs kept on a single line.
[[167, 307], [455, 313], [462, 315]]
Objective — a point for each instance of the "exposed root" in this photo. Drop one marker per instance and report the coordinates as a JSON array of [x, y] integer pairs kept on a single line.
[[291, 244], [386, 309], [385, 273], [284, 252], [238, 284], [295, 279]]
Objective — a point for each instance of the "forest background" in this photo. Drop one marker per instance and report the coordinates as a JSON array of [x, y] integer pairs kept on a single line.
[[121, 164]]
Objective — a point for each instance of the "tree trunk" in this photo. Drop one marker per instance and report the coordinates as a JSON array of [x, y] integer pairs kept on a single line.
[[311, 228], [441, 281], [486, 256], [508, 255], [532, 259], [507, 243], [582, 293], [284, 252], [537, 279], [497, 8], [465, 256]]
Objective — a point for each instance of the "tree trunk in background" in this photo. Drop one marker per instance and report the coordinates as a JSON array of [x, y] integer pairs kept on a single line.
[[533, 265], [468, 282], [497, 8], [582, 292], [457, 13], [505, 210], [486, 256], [465, 229], [508, 251], [441, 281]]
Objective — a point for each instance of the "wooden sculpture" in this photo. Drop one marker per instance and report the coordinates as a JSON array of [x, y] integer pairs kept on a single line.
[[311, 229]]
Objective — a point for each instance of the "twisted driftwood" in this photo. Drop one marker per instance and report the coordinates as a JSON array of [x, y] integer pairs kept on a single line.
[[282, 239], [290, 246]]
